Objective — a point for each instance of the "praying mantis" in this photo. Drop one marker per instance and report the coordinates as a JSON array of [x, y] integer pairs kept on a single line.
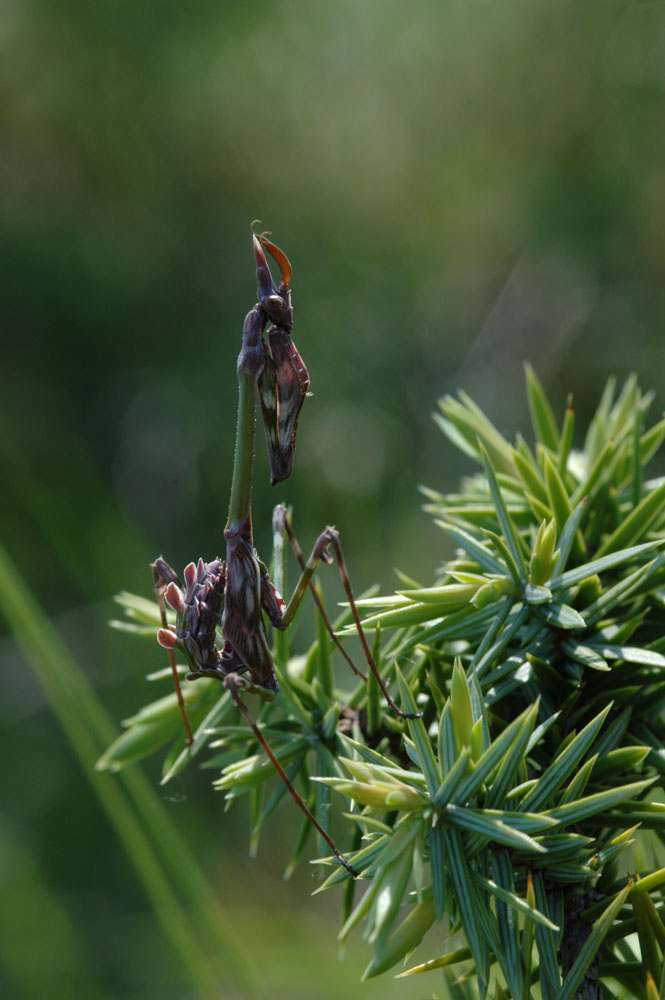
[[236, 592]]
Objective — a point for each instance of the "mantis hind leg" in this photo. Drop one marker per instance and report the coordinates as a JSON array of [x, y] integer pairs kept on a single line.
[[235, 684]]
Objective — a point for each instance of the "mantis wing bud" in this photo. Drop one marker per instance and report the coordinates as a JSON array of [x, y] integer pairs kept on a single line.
[[282, 388]]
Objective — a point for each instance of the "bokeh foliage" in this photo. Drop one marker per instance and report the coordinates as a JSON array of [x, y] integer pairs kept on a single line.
[[459, 187]]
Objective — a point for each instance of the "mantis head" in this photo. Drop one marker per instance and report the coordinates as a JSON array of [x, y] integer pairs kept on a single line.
[[274, 301]]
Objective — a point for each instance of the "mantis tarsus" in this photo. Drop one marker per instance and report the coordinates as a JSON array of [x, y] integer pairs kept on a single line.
[[236, 592]]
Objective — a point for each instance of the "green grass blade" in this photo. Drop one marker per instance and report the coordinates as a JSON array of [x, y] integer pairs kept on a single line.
[[137, 742], [442, 962], [651, 441], [516, 902], [597, 473], [134, 811], [567, 761], [394, 880], [201, 738], [630, 654], [567, 436], [583, 572], [646, 935], [473, 548], [470, 905], [438, 869], [562, 615], [466, 425], [542, 418], [426, 757], [529, 472], [495, 830], [567, 538], [581, 809], [447, 747], [455, 436], [510, 535], [649, 882], [598, 429], [142, 610], [509, 957], [559, 501], [546, 942], [493, 758], [511, 758], [637, 523], [403, 940], [450, 783], [591, 947], [620, 591], [585, 655]]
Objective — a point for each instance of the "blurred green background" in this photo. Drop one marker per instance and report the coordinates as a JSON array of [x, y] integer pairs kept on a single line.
[[460, 186]]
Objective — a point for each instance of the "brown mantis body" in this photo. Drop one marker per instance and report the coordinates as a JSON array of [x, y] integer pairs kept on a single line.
[[237, 592]]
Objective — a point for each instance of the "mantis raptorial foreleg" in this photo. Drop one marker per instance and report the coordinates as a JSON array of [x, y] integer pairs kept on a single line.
[[162, 580]]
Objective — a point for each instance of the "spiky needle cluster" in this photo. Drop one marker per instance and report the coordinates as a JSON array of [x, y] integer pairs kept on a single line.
[[517, 815]]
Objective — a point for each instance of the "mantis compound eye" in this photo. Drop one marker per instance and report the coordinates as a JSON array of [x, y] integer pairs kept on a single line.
[[276, 308]]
